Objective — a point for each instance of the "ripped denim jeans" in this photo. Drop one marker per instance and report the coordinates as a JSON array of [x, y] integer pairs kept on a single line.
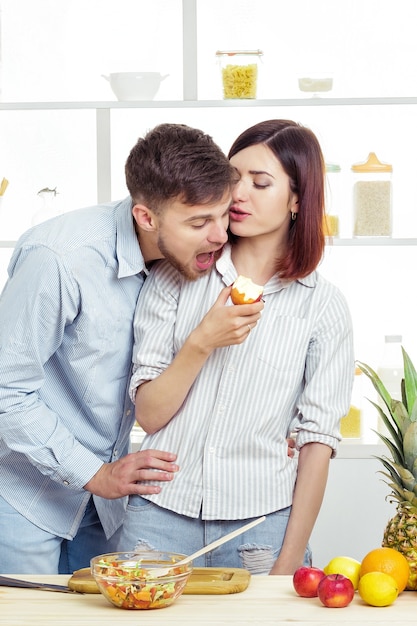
[[148, 526]]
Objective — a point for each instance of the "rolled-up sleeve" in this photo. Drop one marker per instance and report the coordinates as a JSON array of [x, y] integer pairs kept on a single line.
[[329, 374]]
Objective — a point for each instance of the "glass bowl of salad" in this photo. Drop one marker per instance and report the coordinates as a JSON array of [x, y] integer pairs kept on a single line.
[[126, 579]]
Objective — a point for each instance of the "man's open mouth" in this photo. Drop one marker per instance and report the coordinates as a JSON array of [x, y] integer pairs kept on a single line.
[[205, 260]]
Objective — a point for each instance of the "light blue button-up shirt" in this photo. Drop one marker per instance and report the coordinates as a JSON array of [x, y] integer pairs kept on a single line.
[[66, 317]]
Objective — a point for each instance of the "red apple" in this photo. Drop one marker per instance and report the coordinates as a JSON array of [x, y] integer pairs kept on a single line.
[[335, 591], [306, 580]]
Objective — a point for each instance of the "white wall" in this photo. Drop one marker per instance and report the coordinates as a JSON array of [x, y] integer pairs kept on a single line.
[[354, 513]]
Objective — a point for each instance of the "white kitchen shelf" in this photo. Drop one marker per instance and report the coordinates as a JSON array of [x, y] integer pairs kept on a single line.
[[372, 241], [171, 104]]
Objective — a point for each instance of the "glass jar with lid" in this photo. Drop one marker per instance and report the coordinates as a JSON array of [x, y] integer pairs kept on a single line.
[[351, 424], [372, 198], [239, 73], [331, 225]]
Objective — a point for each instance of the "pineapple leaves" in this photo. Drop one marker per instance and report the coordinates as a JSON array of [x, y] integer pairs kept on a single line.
[[403, 496], [409, 388], [397, 454], [395, 494], [392, 469], [377, 383], [397, 413], [410, 448], [396, 445], [410, 497], [400, 419], [401, 416], [400, 475]]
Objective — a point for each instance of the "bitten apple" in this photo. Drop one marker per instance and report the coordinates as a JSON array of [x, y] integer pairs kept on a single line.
[[335, 591], [245, 291], [306, 580]]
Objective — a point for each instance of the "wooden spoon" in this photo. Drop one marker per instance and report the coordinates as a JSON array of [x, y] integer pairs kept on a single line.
[[158, 573]]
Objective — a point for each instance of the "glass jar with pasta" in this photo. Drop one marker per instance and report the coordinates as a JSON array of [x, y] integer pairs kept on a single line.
[[239, 72]]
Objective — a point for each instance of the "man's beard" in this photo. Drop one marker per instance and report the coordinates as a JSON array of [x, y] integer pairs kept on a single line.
[[182, 269]]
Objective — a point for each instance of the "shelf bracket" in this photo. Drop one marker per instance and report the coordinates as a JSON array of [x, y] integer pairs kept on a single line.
[[189, 49], [103, 137]]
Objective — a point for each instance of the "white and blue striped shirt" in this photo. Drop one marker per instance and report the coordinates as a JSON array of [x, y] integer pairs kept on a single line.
[[66, 340], [295, 369]]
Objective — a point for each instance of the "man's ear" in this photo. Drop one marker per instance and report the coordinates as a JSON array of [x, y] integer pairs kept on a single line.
[[145, 218]]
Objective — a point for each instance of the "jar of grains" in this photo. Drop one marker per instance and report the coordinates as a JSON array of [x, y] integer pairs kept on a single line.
[[239, 72], [372, 198]]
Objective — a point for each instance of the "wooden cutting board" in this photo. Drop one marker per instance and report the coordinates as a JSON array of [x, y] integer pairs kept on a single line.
[[217, 580], [203, 580]]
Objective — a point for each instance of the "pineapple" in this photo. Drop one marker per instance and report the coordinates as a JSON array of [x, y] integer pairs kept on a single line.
[[400, 418]]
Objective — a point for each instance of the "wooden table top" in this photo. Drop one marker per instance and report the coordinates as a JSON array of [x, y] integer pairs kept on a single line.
[[268, 600]]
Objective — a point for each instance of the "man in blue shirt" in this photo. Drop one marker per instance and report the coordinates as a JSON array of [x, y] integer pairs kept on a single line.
[[66, 340]]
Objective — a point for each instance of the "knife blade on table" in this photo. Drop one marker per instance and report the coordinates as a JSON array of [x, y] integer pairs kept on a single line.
[[7, 581]]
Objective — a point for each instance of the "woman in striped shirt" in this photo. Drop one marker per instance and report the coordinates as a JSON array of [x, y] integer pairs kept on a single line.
[[224, 385]]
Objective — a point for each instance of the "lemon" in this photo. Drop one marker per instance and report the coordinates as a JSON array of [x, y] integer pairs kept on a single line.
[[378, 589], [346, 566]]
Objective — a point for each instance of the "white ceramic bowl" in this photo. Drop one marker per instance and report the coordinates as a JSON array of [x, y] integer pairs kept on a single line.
[[316, 84], [131, 86]]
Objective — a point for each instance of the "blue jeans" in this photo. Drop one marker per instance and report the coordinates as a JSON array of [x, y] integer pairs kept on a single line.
[[27, 549], [148, 526]]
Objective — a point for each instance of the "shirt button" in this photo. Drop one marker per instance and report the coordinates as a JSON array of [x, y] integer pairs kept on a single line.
[[128, 412], [66, 482]]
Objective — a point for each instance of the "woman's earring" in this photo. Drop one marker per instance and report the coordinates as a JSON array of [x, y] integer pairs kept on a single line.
[[293, 216]]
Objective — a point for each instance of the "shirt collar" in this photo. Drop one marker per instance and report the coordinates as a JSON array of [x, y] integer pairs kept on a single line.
[[225, 266], [128, 252], [227, 270], [310, 280]]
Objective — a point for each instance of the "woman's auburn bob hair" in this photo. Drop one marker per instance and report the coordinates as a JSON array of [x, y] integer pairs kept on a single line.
[[298, 150]]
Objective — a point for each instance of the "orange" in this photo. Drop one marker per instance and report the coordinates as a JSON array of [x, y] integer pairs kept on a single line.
[[388, 561]]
